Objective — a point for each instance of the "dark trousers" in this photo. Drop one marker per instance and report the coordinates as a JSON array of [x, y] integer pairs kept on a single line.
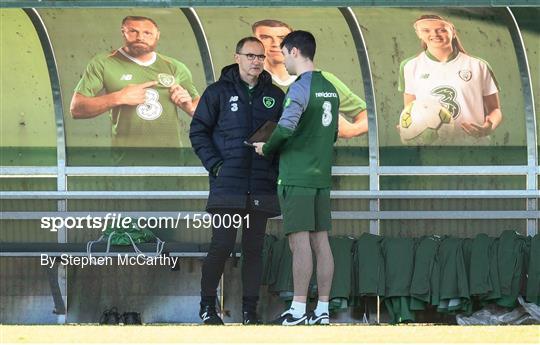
[[223, 240]]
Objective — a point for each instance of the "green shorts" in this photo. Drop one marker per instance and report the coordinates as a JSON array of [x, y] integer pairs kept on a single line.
[[304, 208]]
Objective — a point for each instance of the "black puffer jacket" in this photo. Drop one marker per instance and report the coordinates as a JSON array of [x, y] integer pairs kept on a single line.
[[225, 117]]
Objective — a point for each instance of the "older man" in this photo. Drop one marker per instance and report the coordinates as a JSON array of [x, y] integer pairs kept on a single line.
[[242, 183]]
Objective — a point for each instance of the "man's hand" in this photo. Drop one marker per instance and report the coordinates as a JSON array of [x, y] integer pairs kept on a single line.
[[134, 94], [181, 98], [258, 148], [476, 131], [348, 130]]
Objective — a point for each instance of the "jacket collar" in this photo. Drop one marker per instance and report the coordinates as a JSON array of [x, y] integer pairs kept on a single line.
[[231, 74]]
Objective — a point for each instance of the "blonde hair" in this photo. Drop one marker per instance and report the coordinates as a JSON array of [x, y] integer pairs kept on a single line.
[[456, 43]]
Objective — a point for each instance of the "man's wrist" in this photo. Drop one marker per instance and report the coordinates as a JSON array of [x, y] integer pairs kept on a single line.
[[188, 107], [191, 110], [115, 99]]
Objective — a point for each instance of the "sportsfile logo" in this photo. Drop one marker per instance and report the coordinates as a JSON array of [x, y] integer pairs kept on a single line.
[[110, 220], [191, 220]]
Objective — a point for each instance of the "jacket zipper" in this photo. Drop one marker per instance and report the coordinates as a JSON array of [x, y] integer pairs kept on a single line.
[[250, 119]]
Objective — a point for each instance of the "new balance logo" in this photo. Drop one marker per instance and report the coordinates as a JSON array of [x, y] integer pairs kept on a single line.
[[126, 77], [233, 99], [424, 76]]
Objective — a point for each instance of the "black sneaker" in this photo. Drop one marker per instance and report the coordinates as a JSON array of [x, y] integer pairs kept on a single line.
[[287, 319], [250, 318], [131, 318], [209, 316], [110, 317], [323, 319]]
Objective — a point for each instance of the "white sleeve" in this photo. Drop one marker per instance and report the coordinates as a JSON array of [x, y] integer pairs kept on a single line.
[[489, 84], [408, 75]]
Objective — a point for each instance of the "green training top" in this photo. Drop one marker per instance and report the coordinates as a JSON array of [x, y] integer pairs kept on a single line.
[[350, 104], [306, 132]]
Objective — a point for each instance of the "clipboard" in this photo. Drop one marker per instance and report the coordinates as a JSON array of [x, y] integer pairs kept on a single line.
[[261, 134]]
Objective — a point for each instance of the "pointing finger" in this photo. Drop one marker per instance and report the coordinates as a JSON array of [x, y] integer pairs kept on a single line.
[[148, 84]]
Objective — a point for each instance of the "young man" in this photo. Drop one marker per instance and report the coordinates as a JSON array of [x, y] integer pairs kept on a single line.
[[142, 89], [271, 33], [304, 139], [242, 184]]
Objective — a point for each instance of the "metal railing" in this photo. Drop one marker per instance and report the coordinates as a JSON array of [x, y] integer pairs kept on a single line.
[[374, 170]]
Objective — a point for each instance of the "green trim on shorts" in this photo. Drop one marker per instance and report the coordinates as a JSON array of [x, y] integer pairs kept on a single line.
[[305, 208]]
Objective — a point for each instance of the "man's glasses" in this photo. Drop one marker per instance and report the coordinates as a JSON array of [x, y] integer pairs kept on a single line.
[[252, 57]]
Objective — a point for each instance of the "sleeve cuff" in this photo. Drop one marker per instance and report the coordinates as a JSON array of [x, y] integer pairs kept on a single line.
[[215, 169], [277, 139]]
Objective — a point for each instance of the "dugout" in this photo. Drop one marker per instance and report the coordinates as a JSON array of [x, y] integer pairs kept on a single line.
[[380, 186]]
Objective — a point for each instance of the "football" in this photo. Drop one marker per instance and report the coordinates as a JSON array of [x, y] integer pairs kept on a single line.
[[425, 122]]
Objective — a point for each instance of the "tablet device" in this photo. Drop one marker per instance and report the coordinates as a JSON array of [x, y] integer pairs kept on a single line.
[[261, 134]]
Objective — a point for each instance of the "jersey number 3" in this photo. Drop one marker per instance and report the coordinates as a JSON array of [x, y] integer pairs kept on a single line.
[[327, 114], [151, 109], [447, 96]]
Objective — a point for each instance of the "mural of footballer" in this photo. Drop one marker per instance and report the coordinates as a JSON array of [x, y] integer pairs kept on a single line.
[[271, 32], [463, 84], [140, 89]]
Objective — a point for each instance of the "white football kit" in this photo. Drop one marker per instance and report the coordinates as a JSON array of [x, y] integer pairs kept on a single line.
[[459, 84]]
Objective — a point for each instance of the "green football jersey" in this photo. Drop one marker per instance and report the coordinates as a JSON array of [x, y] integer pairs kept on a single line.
[[369, 275], [424, 276], [453, 281], [342, 280], [533, 275], [350, 104], [306, 132], [511, 267], [154, 123]]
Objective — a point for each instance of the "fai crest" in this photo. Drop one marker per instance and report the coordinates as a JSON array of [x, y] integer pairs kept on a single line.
[[268, 102], [166, 80], [287, 102], [465, 74]]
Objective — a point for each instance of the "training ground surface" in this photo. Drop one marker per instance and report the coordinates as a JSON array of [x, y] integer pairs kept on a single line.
[[270, 334]]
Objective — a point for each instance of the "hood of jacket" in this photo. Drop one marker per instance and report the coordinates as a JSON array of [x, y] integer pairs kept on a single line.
[[231, 74]]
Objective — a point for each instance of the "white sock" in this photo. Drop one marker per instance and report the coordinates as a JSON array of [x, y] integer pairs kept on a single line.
[[322, 307], [297, 309]]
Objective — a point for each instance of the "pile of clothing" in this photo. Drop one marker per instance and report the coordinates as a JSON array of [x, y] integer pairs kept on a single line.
[[412, 274]]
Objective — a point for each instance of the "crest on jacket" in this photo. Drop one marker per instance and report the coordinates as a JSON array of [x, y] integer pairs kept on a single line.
[[268, 102]]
